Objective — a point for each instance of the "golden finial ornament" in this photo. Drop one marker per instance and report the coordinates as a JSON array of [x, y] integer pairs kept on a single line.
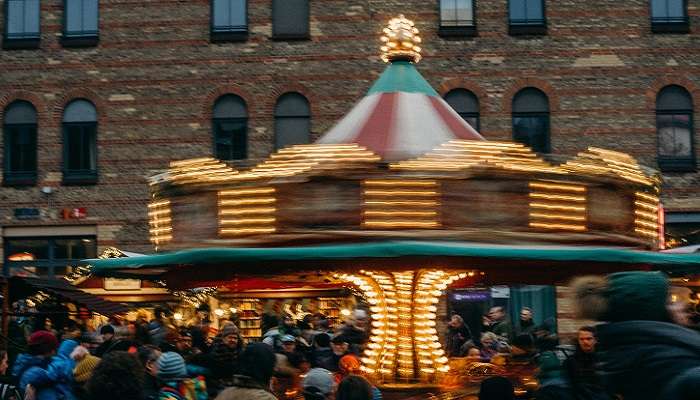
[[400, 41]]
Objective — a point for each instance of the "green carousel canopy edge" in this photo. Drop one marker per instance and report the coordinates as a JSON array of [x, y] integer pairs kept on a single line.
[[396, 249]]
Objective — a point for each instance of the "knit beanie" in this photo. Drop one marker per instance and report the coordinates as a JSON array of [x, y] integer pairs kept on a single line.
[[319, 378], [171, 366], [229, 328], [42, 342], [637, 295], [83, 370]]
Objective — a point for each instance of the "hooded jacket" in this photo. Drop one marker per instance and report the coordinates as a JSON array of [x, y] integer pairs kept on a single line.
[[52, 378], [649, 360]]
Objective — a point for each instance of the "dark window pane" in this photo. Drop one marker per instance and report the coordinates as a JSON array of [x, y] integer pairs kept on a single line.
[[20, 148], [530, 100], [462, 101], [292, 105], [292, 130], [231, 138], [80, 111], [230, 106], [472, 121], [36, 248], [532, 131], [291, 18], [80, 147], [20, 112], [672, 98], [674, 135], [75, 249]]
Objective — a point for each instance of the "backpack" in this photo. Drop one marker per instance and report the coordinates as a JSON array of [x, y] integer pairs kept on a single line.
[[189, 389]]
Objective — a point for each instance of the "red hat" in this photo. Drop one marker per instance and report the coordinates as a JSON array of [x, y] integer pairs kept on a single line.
[[42, 342]]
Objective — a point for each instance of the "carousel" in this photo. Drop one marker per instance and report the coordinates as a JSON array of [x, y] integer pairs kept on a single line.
[[399, 201]]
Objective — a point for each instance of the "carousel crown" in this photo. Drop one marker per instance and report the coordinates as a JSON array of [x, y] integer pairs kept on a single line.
[[401, 41]]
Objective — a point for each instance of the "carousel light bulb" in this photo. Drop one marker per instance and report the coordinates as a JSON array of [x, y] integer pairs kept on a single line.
[[177, 316]]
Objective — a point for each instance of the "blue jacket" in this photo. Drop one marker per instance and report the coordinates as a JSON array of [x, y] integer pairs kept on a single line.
[[52, 378]]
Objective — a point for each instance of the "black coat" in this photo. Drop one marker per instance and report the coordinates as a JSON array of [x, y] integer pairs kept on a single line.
[[648, 360]]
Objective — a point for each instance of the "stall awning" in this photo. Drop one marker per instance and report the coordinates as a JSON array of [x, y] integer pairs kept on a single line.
[[22, 287], [312, 257]]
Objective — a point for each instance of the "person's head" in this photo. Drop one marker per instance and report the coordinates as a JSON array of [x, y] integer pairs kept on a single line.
[[339, 345], [318, 384], [3, 362], [323, 325], [349, 364], [230, 335], [497, 313], [171, 367], [526, 314], [148, 355], [586, 339], [257, 361], [322, 341], [288, 321], [354, 387], [496, 388], [456, 321], [42, 343], [159, 313], [107, 333], [360, 319], [85, 368], [473, 353], [288, 343], [184, 341], [489, 340], [118, 376]]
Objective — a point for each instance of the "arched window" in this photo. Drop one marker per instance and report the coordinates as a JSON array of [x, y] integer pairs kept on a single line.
[[19, 132], [466, 104], [531, 119], [674, 127], [80, 143], [230, 123], [292, 120]]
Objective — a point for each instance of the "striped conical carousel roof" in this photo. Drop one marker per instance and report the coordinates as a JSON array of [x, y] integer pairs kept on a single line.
[[401, 117]]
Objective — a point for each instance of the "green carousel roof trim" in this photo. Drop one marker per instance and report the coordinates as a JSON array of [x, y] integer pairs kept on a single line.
[[401, 76], [393, 249]]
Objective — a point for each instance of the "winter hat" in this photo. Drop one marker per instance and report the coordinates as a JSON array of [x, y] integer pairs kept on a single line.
[[171, 366], [107, 329], [360, 314], [83, 370], [229, 328], [349, 363], [258, 362], [42, 342], [319, 378]]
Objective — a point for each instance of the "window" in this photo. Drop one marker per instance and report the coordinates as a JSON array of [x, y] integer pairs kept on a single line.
[[674, 127], [669, 16], [46, 257], [682, 229], [19, 133], [292, 120], [79, 143], [229, 20], [80, 22], [465, 104], [230, 124], [531, 119], [457, 18], [290, 19], [22, 27], [526, 17]]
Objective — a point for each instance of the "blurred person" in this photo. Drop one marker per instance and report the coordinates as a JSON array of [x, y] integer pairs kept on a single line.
[[158, 327], [644, 354], [474, 354], [321, 355], [354, 387], [252, 381], [183, 345], [148, 356], [581, 367], [85, 364], [356, 331], [289, 366], [176, 384], [307, 326], [498, 323], [287, 326], [457, 335], [489, 346], [8, 389], [554, 384], [496, 388], [349, 364], [108, 341], [318, 384], [526, 322], [340, 348], [119, 376]]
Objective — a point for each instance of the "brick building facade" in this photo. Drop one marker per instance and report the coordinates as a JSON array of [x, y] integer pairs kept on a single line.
[[158, 68]]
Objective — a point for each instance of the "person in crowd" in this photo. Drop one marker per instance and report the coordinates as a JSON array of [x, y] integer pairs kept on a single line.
[[109, 342], [526, 323], [496, 388], [356, 332], [340, 347], [141, 335], [289, 366], [85, 364], [252, 382], [581, 367], [457, 335], [321, 353], [554, 384], [158, 328], [474, 354], [499, 324], [489, 346], [119, 376], [148, 356], [349, 364], [32, 369], [287, 326], [176, 384], [183, 345], [644, 354], [318, 384], [354, 387], [221, 362], [8, 390], [307, 328], [323, 325]]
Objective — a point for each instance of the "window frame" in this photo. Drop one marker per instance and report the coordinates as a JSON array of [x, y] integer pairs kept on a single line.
[[82, 176], [540, 114], [79, 38], [466, 30], [24, 41], [278, 117], [527, 27], [276, 35], [669, 24], [227, 35], [50, 264]]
